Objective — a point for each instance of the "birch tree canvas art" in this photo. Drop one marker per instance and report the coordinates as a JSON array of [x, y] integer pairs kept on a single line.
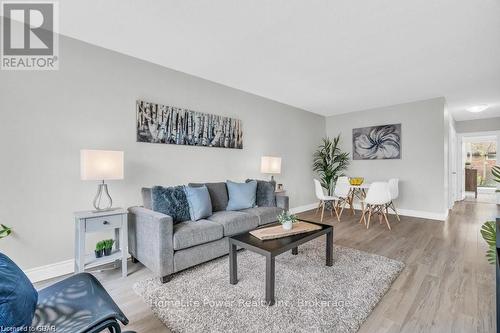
[[157, 123], [377, 142]]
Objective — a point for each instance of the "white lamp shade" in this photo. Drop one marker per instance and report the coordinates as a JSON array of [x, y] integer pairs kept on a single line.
[[270, 164], [101, 164]]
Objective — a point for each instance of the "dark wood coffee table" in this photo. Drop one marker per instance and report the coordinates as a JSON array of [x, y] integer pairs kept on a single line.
[[272, 248]]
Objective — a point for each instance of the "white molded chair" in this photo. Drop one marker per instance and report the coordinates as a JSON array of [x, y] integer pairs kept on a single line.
[[342, 192], [322, 197], [394, 190], [376, 201]]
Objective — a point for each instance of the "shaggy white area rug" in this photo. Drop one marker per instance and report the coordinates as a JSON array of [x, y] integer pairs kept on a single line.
[[310, 297]]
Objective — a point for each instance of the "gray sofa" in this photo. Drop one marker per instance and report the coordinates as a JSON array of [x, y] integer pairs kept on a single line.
[[167, 248]]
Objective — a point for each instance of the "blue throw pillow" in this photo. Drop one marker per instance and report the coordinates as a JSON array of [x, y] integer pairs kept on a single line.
[[18, 298], [171, 201], [241, 195], [200, 205]]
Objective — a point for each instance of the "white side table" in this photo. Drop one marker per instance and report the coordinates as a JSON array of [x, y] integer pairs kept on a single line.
[[88, 222]]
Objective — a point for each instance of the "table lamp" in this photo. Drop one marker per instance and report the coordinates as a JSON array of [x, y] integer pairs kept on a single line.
[[270, 165], [101, 165]]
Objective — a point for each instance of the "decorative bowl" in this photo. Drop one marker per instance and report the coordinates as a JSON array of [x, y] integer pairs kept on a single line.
[[356, 181]]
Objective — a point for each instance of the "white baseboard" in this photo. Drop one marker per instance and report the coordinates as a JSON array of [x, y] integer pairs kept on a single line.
[[415, 213], [46, 272], [303, 208]]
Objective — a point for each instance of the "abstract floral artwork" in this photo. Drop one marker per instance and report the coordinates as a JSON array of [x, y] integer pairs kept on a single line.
[[158, 123], [377, 142]]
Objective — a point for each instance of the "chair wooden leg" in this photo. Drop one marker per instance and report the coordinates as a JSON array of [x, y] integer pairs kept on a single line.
[[351, 203], [395, 211], [322, 211], [386, 220], [336, 212], [362, 219], [317, 209], [344, 202], [369, 217]]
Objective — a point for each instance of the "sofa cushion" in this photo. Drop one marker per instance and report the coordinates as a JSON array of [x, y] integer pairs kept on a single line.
[[218, 195], [199, 202], [18, 298], [192, 233], [265, 195], [235, 222], [171, 201], [241, 195], [265, 214]]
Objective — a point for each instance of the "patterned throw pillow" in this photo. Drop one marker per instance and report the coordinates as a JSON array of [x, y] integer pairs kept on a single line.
[[265, 193], [171, 201]]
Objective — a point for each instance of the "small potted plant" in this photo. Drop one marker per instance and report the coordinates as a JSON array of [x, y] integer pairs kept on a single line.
[[99, 249], [108, 246], [287, 220]]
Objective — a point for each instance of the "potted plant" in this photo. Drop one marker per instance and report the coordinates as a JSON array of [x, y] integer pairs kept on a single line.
[[330, 162], [287, 220], [488, 229], [4, 231], [99, 249], [108, 246]]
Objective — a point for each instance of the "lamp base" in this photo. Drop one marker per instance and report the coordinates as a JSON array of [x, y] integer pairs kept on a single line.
[[99, 201]]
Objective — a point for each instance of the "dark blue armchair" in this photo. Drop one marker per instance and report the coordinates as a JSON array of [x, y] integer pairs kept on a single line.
[[78, 304]]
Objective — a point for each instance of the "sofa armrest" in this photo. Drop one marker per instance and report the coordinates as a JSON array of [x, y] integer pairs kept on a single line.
[[150, 238], [282, 201]]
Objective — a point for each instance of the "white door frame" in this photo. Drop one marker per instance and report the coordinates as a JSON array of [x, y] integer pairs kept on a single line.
[[452, 166], [460, 186]]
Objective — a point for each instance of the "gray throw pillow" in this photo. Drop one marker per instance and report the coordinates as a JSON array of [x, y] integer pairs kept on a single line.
[[218, 194], [265, 193], [171, 201]]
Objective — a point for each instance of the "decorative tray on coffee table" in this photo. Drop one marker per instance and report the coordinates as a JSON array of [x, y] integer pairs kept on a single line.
[[277, 231]]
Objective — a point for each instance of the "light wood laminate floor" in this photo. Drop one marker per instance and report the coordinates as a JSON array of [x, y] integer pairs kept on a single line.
[[447, 285]]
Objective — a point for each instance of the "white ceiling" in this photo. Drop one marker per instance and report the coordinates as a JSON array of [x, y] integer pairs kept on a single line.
[[325, 56]]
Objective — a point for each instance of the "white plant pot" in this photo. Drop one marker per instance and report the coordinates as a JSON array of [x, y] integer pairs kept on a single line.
[[288, 225], [498, 198]]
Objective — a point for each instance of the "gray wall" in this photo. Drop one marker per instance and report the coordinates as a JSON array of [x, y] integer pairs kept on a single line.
[[478, 125], [47, 117], [420, 170]]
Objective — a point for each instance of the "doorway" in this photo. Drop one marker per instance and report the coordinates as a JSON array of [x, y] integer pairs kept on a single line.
[[478, 156]]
